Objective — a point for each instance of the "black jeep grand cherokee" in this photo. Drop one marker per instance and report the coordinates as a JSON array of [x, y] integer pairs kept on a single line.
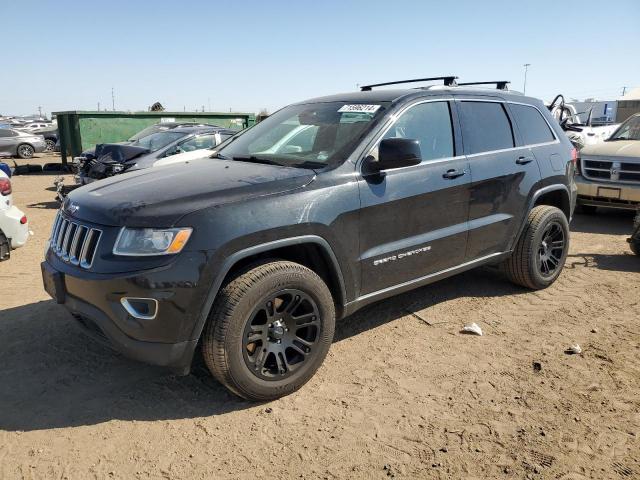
[[324, 207]]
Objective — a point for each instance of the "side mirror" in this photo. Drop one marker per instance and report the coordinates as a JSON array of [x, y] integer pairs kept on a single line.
[[397, 153]]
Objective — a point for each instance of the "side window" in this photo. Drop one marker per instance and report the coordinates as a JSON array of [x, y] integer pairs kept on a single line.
[[5, 133], [485, 127], [532, 125], [198, 143], [430, 124]]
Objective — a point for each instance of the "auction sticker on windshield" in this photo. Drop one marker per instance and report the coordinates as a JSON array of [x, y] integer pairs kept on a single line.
[[359, 108]]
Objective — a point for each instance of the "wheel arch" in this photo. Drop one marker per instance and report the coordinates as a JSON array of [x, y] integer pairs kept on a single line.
[[312, 251], [556, 195]]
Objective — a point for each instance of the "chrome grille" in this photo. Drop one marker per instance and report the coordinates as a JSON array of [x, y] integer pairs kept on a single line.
[[73, 242], [610, 170]]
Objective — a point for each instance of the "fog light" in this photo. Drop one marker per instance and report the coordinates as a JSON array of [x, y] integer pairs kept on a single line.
[[140, 308]]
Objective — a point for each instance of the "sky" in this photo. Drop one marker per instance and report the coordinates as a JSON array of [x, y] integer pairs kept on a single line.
[[252, 55]]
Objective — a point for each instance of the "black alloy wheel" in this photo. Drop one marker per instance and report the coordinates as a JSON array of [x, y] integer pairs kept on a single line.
[[281, 334], [551, 250]]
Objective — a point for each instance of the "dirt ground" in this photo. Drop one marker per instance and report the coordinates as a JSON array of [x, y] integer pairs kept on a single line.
[[402, 393]]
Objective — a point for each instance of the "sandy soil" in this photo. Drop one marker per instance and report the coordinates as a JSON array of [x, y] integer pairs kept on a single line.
[[402, 394]]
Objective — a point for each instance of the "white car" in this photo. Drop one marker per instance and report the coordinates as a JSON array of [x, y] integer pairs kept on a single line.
[[199, 146], [14, 227]]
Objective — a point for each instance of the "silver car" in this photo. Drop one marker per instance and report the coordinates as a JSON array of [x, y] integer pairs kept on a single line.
[[16, 143]]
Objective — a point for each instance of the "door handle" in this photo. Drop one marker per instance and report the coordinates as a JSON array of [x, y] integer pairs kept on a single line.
[[524, 160], [453, 173]]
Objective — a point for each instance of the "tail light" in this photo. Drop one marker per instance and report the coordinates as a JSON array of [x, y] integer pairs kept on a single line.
[[5, 187], [23, 220], [574, 155]]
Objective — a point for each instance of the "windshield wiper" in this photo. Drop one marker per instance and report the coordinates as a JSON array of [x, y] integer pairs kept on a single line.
[[618, 139], [309, 164], [254, 159]]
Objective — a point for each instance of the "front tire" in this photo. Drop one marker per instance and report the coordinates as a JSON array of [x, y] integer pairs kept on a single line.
[[269, 330], [25, 151], [51, 145], [541, 251]]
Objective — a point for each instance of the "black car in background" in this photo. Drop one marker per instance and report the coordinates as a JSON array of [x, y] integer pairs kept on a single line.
[[50, 135]]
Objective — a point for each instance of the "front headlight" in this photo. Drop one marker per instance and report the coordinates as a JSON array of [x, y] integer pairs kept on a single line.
[[151, 241]]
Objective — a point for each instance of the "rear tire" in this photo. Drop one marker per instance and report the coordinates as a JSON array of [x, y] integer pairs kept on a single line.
[[5, 248], [541, 251], [51, 145], [25, 151], [269, 330]]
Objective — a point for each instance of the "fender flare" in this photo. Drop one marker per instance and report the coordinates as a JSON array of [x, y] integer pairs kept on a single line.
[[532, 201], [234, 258]]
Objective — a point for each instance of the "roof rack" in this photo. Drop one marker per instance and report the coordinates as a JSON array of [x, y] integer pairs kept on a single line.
[[448, 81], [500, 84]]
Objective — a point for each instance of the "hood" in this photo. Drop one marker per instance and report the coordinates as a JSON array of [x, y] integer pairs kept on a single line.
[[617, 148], [91, 153], [118, 153], [158, 197]]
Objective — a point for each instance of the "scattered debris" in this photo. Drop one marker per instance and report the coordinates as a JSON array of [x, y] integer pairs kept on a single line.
[[537, 366], [268, 410], [594, 330], [472, 329], [573, 350], [418, 317]]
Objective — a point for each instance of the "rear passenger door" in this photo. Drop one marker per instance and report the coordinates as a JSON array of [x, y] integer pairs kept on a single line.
[[538, 137], [502, 175], [413, 220]]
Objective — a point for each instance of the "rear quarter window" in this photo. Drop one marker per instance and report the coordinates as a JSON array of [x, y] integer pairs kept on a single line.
[[485, 127], [533, 127]]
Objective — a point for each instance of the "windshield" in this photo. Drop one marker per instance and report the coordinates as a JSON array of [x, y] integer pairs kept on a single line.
[[158, 140], [148, 131], [629, 130], [308, 135]]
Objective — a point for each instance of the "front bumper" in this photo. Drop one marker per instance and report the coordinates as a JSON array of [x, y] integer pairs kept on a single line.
[[95, 300], [607, 194], [16, 232]]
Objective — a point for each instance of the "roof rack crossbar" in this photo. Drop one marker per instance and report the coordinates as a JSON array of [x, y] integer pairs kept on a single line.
[[448, 81], [500, 84]]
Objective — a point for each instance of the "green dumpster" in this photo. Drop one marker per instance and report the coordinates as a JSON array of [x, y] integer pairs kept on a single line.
[[79, 131]]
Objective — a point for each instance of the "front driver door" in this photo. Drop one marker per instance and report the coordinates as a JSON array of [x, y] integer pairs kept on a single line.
[[413, 220]]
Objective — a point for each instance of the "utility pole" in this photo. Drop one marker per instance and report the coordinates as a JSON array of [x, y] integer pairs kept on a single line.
[[98, 106], [113, 100], [526, 68], [624, 90], [209, 101], [40, 110]]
